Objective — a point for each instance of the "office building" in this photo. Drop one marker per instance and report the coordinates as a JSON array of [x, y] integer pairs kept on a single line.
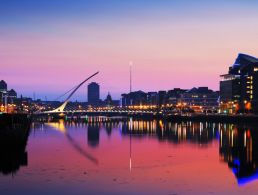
[[201, 96], [239, 87], [3, 86], [134, 98], [93, 94], [174, 95], [152, 98], [162, 98]]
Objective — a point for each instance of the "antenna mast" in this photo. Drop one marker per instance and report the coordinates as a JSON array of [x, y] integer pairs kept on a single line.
[[130, 63]]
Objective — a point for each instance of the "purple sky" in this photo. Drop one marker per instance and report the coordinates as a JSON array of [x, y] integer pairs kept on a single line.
[[47, 47]]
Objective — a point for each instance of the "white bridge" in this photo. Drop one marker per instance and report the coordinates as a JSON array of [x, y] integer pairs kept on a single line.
[[61, 108], [110, 110]]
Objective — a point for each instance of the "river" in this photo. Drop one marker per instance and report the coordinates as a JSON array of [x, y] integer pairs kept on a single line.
[[126, 156]]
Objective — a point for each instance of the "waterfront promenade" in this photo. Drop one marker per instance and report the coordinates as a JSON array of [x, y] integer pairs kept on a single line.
[[176, 117]]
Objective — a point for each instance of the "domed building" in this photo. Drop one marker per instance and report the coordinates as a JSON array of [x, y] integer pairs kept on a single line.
[[108, 100]]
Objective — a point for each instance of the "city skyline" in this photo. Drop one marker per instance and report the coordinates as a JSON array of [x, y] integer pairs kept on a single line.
[[47, 47], [128, 97]]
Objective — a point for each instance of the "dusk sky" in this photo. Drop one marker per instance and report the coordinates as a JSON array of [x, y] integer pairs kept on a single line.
[[49, 46]]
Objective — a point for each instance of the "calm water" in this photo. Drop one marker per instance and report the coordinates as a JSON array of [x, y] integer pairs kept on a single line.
[[134, 157]]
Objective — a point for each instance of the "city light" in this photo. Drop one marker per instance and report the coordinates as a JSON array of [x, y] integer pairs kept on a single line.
[[180, 118]]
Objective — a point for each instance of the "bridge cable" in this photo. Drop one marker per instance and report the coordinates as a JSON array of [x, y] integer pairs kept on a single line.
[[65, 93]]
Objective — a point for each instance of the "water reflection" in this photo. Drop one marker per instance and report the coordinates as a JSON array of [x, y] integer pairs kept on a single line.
[[198, 133], [60, 126], [239, 148], [93, 134], [238, 144]]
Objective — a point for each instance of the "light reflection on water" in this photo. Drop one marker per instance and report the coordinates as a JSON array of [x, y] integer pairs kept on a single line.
[[128, 156]]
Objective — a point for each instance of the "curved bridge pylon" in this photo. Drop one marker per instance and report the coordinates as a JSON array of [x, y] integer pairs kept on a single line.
[[61, 108]]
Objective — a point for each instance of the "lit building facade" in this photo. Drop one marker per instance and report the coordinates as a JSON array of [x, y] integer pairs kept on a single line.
[[201, 98], [162, 98], [174, 95], [152, 98], [3, 91], [134, 98], [3, 86], [239, 88], [7, 98]]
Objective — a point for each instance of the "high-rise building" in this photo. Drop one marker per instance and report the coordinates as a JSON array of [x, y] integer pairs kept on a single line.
[[3, 86], [239, 88], [3, 91], [93, 94]]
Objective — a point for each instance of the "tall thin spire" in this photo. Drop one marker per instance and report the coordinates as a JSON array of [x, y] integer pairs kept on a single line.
[[130, 64]]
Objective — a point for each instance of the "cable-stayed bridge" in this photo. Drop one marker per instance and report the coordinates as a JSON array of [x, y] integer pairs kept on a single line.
[[70, 108], [61, 108]]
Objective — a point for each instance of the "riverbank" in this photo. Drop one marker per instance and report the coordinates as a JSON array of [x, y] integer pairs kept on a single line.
[[14, 132], [218, 118], [14, 129], [214, 118], [13, 120]]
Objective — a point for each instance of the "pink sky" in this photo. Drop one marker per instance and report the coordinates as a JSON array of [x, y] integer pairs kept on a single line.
[[49, 56]]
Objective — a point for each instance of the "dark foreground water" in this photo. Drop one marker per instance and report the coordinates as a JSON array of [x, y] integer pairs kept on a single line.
[[133, 157]]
